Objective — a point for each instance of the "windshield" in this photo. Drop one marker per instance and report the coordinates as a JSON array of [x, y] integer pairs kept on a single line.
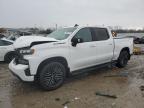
[[62, 34]]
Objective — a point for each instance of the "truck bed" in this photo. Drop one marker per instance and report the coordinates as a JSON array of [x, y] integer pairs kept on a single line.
[[120, 43]]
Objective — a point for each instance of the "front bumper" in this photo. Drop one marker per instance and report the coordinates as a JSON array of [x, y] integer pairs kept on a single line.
[[19, 71]]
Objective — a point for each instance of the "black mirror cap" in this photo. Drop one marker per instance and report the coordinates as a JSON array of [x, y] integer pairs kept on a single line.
[[75, 41]]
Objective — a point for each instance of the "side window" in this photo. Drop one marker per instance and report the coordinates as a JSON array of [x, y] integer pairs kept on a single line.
[[100, 34], [1, 43], [5, 43], [84, 34]]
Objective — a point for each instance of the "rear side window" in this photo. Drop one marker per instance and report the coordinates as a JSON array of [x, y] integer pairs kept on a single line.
[[99, 34], [84, 34]]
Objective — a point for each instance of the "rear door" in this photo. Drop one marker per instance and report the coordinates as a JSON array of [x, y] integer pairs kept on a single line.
[[103, 45]]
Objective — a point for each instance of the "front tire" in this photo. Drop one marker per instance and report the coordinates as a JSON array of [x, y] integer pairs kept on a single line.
[[123, 59], [52, 76]]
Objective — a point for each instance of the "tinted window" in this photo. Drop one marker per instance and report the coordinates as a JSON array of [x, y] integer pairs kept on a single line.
[[84, 34], [1, 43], [100, 34], [5, 43]]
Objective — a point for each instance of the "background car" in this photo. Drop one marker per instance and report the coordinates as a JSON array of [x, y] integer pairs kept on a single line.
[[7, 52], [138, 40], [141, 40]]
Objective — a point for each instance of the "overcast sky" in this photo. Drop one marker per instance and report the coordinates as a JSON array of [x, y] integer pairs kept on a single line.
[[46, 13]]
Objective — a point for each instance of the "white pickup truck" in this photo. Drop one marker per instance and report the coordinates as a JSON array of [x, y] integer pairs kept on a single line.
[[49, 60]]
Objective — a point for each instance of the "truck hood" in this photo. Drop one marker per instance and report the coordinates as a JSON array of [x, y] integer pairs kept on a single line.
[[29, 41]]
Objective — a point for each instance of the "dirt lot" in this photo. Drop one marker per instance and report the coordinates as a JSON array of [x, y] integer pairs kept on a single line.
[[79, 91]]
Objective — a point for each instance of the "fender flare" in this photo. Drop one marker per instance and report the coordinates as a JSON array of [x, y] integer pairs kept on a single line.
[[59, 59], [126, 49]]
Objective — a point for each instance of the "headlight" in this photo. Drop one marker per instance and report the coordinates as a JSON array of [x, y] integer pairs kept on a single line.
[[27, 51]]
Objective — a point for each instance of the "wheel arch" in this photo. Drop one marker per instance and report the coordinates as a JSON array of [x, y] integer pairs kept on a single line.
[[126, 49], [58, 59]]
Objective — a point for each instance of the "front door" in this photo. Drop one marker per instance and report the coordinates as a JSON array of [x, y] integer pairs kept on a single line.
[[84, 54]]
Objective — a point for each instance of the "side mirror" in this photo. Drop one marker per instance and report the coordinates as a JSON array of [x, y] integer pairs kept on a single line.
[[75, 41]]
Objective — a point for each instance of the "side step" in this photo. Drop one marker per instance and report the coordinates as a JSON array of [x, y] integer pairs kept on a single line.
[[89, 69]]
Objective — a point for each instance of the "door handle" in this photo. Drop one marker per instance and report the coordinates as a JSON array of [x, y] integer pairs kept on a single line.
[[110, 44]]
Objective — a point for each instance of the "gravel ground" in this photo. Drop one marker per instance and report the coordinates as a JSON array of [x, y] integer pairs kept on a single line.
[[79, 91]]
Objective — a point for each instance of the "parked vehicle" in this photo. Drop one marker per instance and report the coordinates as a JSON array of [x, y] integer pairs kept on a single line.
[[2, 36], [138, 40], [13, 38], [141, 40], [49, 60], [7, 52]]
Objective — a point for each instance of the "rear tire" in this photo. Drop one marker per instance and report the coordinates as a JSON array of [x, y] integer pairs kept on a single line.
[[123, 59], [52, 76]]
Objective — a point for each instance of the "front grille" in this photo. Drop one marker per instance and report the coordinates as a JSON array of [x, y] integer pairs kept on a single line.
[[18, 53]]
